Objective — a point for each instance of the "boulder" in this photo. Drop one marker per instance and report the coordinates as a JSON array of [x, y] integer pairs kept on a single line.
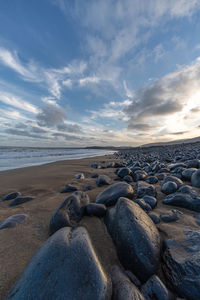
[[144, 188], [94, 209], [79, 176], [65, 267], [195, 179], [69, 189], [175, 179], [136, 238], [145, 206], [110, 195], [154, 288], [123, 288], [182, 264], [12, 221], [187, 173], [11, 196], [20, 200], [152, 179], [169, 187], [103, 180], [70, 212], [123, 172], [183, 200], [152, 201]]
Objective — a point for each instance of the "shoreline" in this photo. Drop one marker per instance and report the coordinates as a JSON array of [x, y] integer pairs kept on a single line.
[[65, 157]]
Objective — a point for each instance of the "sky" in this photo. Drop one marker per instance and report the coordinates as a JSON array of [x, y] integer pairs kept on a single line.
[[79, 73]]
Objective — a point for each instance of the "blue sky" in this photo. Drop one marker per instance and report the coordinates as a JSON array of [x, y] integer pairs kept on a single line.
[[106, 72]]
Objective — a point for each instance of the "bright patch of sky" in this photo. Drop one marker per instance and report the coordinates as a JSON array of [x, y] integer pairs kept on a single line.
[[99, 72]]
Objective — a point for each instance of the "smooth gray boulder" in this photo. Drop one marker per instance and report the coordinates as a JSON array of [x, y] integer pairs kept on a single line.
[[12, 221], [183, 200], [103, 180], [152, 201], [195, 179], [144, 188], [187, 173], [11, 196], [182, 264], [175, 179], [169, 187], [124, 172], [123, 288], [20, 200], [136, 238], [70, 212], [94, 209], [154, 288], [65, 267], [68, 189], [110, 195]]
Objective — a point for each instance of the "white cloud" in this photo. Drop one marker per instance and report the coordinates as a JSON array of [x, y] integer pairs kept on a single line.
[[88, 80], [17, 102]]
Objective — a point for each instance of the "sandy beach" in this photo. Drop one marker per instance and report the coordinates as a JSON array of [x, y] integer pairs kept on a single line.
[[44, 182]]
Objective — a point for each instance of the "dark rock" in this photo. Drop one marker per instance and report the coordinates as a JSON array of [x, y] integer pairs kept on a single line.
[[69, 188], [70, 212], [177, 165], [195, 179], [139, 175], [161, 176], [133, 278], [20, 200], [88, 188], [123, 172], [144, 188], [154, 218], [128, 178], [94, 209], [197, 218], [136, 238], [169, 187], [183, 200], [11, 196], [95, 166], [145, 206], [186, 189], [65, 267], [103, 180], [178, 181], [152, 201], [154, 288], [123, 288], [194, 163], [80, 176], [94, 175], [110, 195], [151, 179], [187, 173], [12, 221], [182, 264], [172, 217]]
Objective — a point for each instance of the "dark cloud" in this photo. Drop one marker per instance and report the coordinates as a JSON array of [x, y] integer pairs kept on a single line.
[[195, 109], [69, 128], [67, 137], [179, 132], [21, 126], [36, 129], [24, 133], [164, 97], [140, 126], [51, 116]]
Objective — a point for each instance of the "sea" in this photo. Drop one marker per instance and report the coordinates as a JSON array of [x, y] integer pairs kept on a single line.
[[20, 157]]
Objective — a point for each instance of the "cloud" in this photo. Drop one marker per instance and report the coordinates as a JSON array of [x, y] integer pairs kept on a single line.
[[179, 132], [140, 126], [73, 128], [51, 116], [20, 126], [67, 137], [88, 80], [195, 109], [17, 102], [36, 129], [166, 96], [53, 79], [24, 133]]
